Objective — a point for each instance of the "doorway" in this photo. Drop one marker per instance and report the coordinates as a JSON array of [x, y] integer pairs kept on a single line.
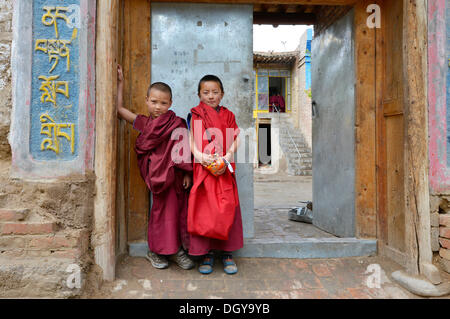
[[136, 54], [264, 144]]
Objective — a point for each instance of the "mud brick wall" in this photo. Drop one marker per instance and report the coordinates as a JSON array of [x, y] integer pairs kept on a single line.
[[440, 229], [45, 221], [44, 228], [6, 8]]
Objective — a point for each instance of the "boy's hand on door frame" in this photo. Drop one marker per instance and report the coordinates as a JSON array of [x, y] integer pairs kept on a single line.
[[187, 181]]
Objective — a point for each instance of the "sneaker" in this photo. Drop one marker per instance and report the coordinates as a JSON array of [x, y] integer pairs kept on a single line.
[[183, 260], [229, 266], [158, 261], [206, 267]]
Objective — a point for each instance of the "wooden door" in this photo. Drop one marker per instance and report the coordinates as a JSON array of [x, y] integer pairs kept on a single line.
[[132, 193], [390, 128]]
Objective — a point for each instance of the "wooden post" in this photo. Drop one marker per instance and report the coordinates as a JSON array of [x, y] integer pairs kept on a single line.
[[103, 239], [365, 117], [417, 217]]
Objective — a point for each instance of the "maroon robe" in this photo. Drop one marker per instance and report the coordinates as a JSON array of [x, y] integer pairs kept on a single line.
[[214, 199], [167, 225]]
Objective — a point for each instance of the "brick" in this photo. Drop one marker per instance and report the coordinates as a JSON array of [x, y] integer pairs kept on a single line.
[[445, 264], [444, 253], [435, 201], [67, 254], [444, 220], [434, 218], [445, 243], [12, 242], [444, 232], [10, 215], [27, 228], [12, 253], [435, 239], [38, 253], [6, 36], [321, 270], [53, 242], [359, 293]]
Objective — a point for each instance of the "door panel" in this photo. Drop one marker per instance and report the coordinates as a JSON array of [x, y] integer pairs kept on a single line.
[[390, 127], [133, 196], [333, 89], [193, 40]]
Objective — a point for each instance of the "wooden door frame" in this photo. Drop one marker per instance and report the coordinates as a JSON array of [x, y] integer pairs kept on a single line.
[[416, 129]]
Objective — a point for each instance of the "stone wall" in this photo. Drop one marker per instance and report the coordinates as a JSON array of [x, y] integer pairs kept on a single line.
[[303, 119], [440, 229]]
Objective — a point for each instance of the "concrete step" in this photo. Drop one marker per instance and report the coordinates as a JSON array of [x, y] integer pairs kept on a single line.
[[290, 144], [299, 164], [302, 248], [296, 138], [301, 172], [295, 156], [305, 248], [298, 169], [294, 147]]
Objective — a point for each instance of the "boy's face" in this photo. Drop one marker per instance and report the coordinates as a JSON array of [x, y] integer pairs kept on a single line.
[[210, 93], [158, 103]]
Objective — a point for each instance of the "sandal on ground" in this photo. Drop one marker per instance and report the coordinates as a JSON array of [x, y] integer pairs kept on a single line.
[[229, 266], [206, 267]]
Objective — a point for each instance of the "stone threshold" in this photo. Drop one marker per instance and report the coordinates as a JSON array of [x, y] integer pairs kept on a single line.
[[302, 248]]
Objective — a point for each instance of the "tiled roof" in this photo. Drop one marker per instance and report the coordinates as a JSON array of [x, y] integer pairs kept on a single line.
[[275, 57]]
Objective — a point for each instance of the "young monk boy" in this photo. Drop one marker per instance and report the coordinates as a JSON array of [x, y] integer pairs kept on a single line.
[[168, 180]]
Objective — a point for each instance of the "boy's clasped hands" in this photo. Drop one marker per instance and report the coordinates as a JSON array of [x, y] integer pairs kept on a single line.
[[215, 163]]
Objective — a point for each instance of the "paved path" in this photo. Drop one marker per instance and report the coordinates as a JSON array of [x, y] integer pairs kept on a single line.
[[269, 278], [257, 278]]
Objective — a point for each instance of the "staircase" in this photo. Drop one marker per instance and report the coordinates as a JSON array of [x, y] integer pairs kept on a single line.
[[295, 149]]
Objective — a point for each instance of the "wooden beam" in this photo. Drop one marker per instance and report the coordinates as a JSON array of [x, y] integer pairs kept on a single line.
[[283, 18], [310, 9], [292, 8], [365, 118], [418, 229], [103, 237], [272, 8], [257, 8], [305, 2]]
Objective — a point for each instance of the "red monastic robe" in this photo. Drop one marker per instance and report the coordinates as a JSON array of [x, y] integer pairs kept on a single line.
[[167, 225], [277, 100], [214, 214]]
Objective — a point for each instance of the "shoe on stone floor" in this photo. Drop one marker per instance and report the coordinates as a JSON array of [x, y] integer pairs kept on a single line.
[[157, 261], [206, 266], [183, 260], [229, 266]]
